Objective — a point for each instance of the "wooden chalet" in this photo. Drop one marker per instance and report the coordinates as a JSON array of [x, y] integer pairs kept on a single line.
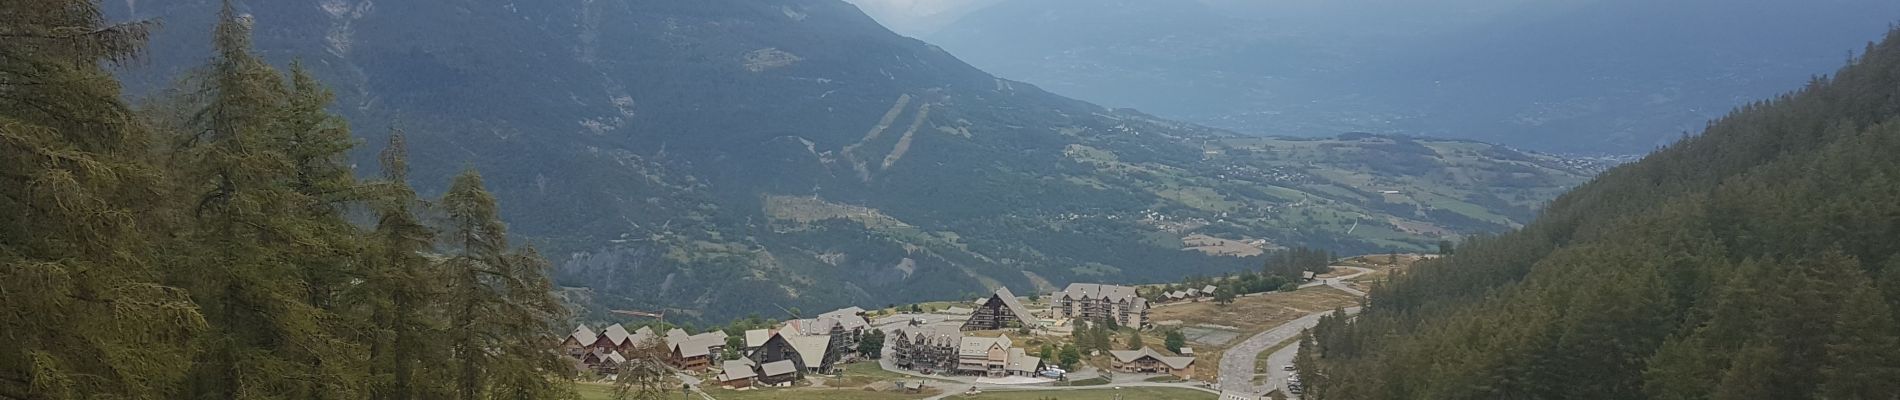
[[737, 374], [1147, 360], [576, 344], [603, 361], [780, 372], [695, 352]]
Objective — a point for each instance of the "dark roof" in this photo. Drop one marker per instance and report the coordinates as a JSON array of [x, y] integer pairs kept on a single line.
[[1015, 307]]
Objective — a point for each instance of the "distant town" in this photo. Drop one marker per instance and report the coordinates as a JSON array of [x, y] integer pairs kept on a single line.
[[1000, 340]]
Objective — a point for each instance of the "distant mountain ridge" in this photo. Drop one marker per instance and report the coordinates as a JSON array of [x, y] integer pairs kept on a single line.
[[712, 156], [1602, 76]]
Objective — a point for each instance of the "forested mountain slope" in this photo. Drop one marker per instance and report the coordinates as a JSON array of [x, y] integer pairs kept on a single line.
[[1758, 260], [708, 157], [1617, 76], [220, 246]]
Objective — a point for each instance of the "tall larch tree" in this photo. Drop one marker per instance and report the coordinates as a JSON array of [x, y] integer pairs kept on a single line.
[[400, 288], [85, 314], [262, 241], [501, 311]]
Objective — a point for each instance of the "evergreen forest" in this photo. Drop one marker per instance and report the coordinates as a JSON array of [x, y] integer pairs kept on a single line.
[[213, 243], [1754, 261]]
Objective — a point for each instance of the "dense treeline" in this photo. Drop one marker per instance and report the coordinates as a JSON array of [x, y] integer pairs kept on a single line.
[[217, 246], [1760, 260], [1279, 270]]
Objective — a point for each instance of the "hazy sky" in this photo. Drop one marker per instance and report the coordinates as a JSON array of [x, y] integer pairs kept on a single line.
[[918, 17]]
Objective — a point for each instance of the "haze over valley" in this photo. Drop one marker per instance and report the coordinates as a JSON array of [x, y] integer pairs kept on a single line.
[[703, 156], [1576, 77], [1113, 199]]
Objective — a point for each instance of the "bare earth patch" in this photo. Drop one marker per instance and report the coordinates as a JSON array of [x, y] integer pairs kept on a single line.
[[1214, 246], [1249, 315]]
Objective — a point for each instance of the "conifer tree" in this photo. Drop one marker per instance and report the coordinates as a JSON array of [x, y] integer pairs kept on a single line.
[[85, 312], [501, 309], [1889, 285], [400, 288], [261, 244], [1863, 354]]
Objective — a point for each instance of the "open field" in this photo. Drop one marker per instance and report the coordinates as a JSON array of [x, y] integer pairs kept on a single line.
[[1211, 327], [1218, 246], [1382, 266], [594, 391], [1256, 313], [1146, 393], [815, 393]]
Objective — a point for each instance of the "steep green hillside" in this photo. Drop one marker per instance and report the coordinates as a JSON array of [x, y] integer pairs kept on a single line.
[[708, 157], [1755, 261]]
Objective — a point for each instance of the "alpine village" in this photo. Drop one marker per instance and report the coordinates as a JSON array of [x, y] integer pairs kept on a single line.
[[633, 200]]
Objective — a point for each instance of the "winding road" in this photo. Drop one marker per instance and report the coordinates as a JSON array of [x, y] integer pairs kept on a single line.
[[1237, 363]]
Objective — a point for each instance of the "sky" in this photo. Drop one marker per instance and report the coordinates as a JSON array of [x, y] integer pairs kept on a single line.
[[918, 17]]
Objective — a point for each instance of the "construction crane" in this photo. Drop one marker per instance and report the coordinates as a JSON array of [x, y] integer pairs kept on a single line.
[[793, 314], [660, 316]]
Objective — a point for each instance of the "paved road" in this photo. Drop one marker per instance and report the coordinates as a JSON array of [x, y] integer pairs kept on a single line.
[[1340, 282], [1276, 375], [957, 390], [1237, 363]]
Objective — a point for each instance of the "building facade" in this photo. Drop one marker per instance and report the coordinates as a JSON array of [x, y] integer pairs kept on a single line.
[[923, 349], [1147, 360], [1000, 311], [1101, 303]]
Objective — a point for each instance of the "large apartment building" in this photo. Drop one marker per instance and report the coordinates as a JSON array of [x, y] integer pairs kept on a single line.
[[925, 349], [1000, 311], [1101, 303]]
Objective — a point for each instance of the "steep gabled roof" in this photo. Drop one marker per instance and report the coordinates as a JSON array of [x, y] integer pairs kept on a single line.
[[1021, 361], [698, 345], [1015, 307], [977, 346], [776, 368], [811, 348], [1128, 356], [583, 335], [616, 334], [757, 337], [639, 338], [736, 370]]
